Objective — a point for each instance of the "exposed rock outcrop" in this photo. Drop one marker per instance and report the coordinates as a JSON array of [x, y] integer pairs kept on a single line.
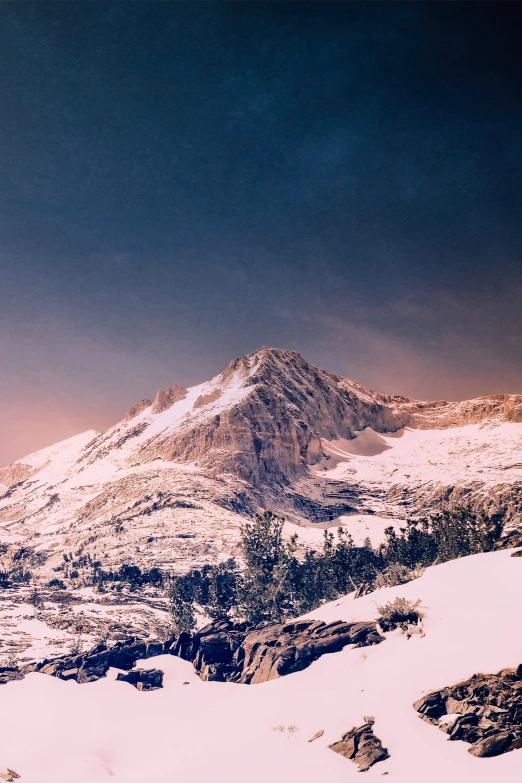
[[440, 414], [10, 673], [361, 746], [231, 652], [137, 409], [206, 399], [166, 399], [16, 473], [91, 666], [222, 651], [485, 710]]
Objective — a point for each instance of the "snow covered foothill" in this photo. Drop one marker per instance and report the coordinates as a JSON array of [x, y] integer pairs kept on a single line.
[[54, 731]]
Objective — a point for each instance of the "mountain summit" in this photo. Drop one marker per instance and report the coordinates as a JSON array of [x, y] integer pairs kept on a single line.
[[173, 478]]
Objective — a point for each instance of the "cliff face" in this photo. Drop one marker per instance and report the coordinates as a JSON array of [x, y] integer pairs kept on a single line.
[[274, 432]]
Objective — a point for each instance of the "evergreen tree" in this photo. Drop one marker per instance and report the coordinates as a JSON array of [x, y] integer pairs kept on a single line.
[[222, 590], [182, 605], [262, 593]]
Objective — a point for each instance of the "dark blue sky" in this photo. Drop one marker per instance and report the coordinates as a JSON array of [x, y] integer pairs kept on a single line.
[[183, 182]]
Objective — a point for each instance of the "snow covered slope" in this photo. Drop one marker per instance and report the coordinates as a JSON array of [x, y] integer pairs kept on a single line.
[[194, 730], [168, 484]]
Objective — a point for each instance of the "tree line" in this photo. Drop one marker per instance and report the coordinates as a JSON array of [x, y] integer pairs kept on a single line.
[[275, 583]]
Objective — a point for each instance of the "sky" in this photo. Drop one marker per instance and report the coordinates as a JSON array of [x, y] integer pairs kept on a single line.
[[181, 183]]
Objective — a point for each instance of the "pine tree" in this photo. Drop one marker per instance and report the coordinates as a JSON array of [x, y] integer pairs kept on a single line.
[[182, 605], [263, 588], [222, 590]]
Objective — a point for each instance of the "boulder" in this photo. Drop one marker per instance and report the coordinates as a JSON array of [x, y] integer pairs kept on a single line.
[[69, 674], [143, 679], [493, 745], [362, 746]]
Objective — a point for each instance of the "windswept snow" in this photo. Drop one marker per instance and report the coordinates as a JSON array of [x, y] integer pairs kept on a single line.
[[489, 452], [56, 732]]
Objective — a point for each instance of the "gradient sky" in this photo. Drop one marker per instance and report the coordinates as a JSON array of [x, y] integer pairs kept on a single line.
[[184, 182]]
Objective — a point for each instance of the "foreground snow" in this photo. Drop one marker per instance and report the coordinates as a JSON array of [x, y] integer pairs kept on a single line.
[[57, 732]]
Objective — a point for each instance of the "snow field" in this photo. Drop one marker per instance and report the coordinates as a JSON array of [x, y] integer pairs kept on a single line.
[[58, 732]]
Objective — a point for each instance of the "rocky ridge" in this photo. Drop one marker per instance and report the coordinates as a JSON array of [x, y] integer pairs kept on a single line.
[[230, 652], [222, 651]]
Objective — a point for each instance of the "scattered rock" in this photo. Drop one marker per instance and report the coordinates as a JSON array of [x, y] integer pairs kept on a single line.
[[361, 746], [316, 735], [487, 710], [10, 775]]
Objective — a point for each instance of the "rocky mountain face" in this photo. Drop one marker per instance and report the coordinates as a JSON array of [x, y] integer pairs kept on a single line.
[[168, 484]]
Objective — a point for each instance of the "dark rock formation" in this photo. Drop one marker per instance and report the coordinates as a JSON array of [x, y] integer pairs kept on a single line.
[[143, 679], [231, 652], [222, 651], [362, 746], [511, 539], [487, 709], [90, 666], [9, 673]]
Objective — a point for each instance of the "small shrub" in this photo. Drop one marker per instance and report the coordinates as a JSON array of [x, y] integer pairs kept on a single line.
[[396, 574], [59, 583], [289, 730], [35, 599], [399, 613], [76, 644]]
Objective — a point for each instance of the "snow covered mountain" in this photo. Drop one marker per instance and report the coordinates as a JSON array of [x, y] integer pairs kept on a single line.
[[169, 483]]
